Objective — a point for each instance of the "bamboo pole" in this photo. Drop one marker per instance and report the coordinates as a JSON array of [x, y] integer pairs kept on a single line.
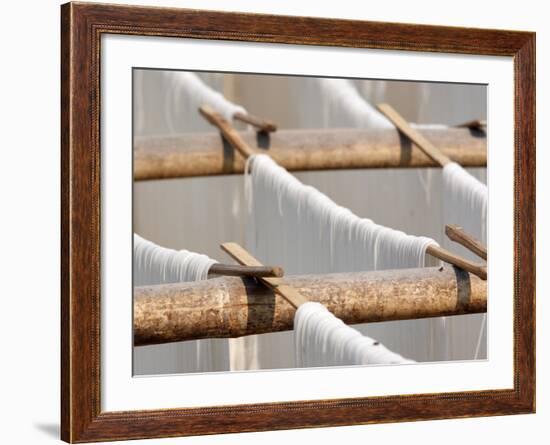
[[205, 154], [232, 307]]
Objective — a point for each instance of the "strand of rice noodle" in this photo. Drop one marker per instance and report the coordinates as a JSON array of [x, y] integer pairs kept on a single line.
[[154, 264], [321, 339], [197, 93]]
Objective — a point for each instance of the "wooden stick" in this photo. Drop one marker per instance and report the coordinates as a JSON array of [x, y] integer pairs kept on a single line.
[[259, 123], [458, 235], [444, 255], [476, 123], [235, 270], [415, 136], [233, 307], [229, 133], [204, 154], [277, 284]]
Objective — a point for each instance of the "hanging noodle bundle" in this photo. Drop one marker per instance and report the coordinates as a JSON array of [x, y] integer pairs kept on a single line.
[[347, 103], [321, 339], [154, 264], [298, 226], [197, 93], [465, 200]]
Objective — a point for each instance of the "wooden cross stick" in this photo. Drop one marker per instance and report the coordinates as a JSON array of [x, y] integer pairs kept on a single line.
[[229, 133], [415, 136], [458, 235], [477, 269], [258, 122], [235, 270], [277, 284]]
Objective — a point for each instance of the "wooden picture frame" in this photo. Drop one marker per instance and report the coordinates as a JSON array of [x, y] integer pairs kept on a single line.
[[82, 26]]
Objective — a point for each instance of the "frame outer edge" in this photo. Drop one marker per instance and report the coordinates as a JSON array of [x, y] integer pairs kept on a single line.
[[525, 170], [81, 417], [80, 228], [66, 47]]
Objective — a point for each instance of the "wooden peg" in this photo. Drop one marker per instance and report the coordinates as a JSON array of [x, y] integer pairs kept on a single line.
[[229, 133], [476, 124], [277, 284], [235, 270], [458, 235], [415, 136], [444, 255], [261, 124]]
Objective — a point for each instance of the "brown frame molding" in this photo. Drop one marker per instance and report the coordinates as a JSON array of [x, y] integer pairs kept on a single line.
[[81, 28]]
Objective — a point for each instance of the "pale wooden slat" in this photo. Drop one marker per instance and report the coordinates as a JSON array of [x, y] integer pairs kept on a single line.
[[277, 284], [431, 150]]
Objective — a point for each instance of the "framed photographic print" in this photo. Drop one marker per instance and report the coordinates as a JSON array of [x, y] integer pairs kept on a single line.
[[274, 222]]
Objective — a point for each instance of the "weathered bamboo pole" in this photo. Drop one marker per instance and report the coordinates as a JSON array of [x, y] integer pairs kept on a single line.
[[233, 307], [205, 154]]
